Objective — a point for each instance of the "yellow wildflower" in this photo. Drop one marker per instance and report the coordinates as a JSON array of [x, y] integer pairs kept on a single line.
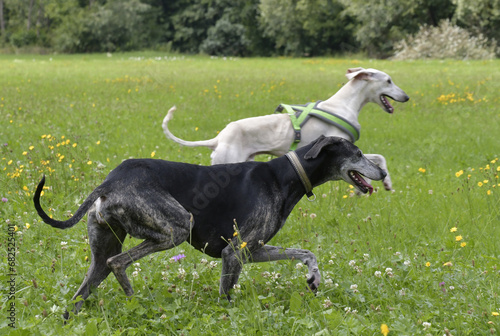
[[384, 329], [449, 263], [479, 184], [243, 245], [89, 162], [427, 264], [235, 234], [459, 173], [458, 238], [422, 170], [453, 229], [15, 228], [463, 244], [153, 153], [495, 313]]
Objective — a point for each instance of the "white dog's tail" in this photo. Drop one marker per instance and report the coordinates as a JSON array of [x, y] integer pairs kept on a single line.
[[212, 143]]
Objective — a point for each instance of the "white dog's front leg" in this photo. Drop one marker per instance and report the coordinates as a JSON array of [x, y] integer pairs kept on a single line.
[[380, 161]]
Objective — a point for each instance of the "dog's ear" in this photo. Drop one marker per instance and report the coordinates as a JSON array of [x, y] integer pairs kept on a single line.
[[359, 73], [319, 145]]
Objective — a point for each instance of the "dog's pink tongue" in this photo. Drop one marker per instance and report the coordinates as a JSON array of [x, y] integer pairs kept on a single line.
[[364, 183]]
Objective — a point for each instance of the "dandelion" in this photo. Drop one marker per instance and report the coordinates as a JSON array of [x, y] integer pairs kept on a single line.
[[453, 229], [243, 245], [422, 170], [463, 244], [235, 233], [153, 153], [89, 162], [488, 192], [427, 264], [459, 173], [495, 314], [479, 184], [15, 228], [458, 238], [384, 329], [448, 264]]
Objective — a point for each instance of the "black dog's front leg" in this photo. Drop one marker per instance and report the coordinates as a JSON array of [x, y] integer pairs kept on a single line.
[[231, 269]]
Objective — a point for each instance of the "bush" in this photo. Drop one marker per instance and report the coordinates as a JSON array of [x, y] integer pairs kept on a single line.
[[445, 41], [225, 39]]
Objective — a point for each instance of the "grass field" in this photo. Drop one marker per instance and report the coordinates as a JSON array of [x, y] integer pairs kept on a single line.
[[422, 260]]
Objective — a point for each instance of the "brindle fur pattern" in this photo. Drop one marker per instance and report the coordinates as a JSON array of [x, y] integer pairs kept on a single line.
[[167, 203]]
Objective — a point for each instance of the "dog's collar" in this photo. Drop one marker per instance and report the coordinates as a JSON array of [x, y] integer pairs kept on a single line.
[[297, 166]]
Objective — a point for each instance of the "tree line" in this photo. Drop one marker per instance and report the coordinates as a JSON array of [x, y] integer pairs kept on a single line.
[[235, 27]]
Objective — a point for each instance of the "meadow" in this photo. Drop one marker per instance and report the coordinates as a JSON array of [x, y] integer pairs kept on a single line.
[[421, 260]]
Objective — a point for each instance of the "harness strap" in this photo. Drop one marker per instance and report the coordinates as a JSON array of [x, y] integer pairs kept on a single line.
[[299, 114], [297, 166]]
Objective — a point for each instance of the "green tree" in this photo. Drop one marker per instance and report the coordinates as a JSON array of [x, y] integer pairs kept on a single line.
[[381, 23], [479, 16], [299, 27]]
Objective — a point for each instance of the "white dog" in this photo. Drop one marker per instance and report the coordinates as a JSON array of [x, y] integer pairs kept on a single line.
[[275, 134]]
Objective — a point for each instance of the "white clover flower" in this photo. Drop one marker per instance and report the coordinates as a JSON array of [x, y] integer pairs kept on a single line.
[[135, 273], [407, 263], [352, 263], [299, 265], [378, 274], [366, 256], [195, 275], [327, 303], [426, 325]]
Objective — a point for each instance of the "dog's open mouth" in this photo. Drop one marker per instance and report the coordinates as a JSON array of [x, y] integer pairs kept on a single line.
[[360, 182], [387, 105]]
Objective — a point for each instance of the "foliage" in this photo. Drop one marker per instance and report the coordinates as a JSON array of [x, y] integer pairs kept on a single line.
[[480, 17], [303, 27], [238, 27], [444, 41], [381, 23], [225, 38], [421, 260]]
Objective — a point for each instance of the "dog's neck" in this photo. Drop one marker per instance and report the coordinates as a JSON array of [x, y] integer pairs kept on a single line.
[[348, 101]]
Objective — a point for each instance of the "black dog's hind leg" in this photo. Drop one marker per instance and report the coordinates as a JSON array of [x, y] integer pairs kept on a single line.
[[164, 223], [104, 243]]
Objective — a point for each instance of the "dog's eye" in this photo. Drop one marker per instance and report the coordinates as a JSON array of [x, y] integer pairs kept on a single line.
[[389, 81]]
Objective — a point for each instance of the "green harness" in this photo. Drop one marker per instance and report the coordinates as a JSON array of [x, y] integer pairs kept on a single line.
[[299, 114]]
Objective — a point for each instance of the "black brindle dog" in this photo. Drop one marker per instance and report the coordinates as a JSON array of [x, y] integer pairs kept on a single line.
[[166, 203]]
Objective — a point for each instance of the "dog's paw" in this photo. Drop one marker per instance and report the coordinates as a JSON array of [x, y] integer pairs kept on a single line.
[[313, 283], [387, 183]]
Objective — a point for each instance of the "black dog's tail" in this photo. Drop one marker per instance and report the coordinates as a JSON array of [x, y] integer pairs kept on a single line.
[[82, 210]]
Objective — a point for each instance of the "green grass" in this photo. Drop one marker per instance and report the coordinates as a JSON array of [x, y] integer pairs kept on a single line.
[[75, 118]]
